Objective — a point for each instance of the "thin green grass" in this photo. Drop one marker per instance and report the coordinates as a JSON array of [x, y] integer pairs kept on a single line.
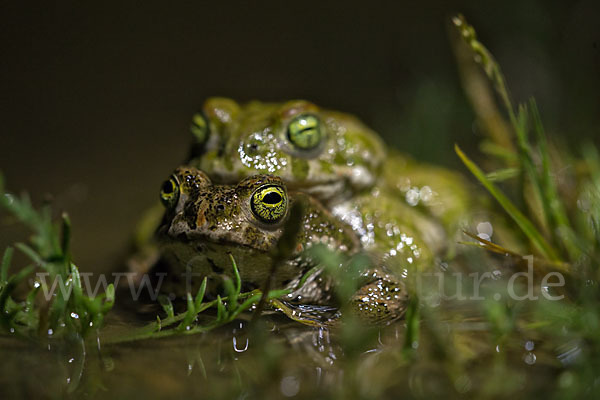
[[533, 161], [62, 314], [566, 234], [73, 312], [518, 217], [432, 348]]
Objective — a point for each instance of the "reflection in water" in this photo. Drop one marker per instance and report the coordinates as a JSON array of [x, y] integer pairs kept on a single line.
[[457, 353], [236, 339], [569, 352]]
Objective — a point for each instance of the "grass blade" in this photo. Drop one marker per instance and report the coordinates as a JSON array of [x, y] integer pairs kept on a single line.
[[486, 60], [526, 226], [109, 300], [167, 306], [190, 314], [230, 293], [6, 259], [411, 340], [503, 174], [556, 209], [221, 311], [66, 234], [200, 294], [236, 275]]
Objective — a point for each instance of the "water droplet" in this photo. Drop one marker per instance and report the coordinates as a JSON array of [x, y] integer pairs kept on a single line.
[[529, 345], [74, 315], [236, 348], [412, 197], [426, 194], [484, 236], [236, 340], [485, 230], [529, 358]]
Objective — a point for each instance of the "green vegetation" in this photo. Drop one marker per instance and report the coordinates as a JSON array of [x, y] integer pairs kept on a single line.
[[228, 309], [493, 348], [563, 228], [531, 160], [68, 313]]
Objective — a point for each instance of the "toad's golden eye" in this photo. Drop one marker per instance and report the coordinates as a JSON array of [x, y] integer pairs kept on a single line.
[[199, 128], [169, 192], [305, 132], [269, 203]]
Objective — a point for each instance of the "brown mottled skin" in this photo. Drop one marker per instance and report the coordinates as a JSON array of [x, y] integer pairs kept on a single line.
[[405, 214], [209, 222]]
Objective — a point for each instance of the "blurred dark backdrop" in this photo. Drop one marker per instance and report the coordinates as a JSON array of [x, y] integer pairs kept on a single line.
[[96, 98]]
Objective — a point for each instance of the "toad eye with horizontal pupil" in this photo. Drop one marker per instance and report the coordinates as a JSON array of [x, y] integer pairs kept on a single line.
[[305, 132], [199, 128], [169, 193], [269, 203]]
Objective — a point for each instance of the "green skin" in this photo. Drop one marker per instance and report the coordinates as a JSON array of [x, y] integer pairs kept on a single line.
[[207, 223], [350, 165], [250, 140], [403, 212]]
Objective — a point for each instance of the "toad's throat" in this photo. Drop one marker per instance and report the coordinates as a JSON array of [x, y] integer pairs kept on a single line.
[[195, 260]]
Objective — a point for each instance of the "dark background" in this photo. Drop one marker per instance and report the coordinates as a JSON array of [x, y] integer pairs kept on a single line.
[[96, 99]]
